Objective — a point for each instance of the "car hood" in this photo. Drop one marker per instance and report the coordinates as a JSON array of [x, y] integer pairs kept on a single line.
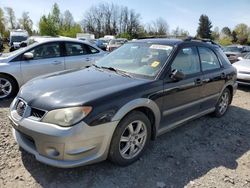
[[243, 65], [74, 88]]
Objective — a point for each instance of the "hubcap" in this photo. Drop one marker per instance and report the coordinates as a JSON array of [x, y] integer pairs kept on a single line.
[[224, 103], [5, 88], [133, 139]]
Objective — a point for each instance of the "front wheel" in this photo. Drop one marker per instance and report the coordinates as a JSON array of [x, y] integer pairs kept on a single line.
[[223, 103], [130, 139], [8, 87]]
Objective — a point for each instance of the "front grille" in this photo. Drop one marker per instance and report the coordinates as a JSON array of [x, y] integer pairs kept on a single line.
[[20, 107], [37, 113]]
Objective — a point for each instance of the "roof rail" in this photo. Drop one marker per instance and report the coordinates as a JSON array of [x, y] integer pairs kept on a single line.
[[209, 41]]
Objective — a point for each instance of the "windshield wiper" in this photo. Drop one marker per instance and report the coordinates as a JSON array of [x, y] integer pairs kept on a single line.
[[123, 73]]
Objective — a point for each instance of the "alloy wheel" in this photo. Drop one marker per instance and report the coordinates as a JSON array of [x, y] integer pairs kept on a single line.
[[5, 88], [133, 139], [224, 101]]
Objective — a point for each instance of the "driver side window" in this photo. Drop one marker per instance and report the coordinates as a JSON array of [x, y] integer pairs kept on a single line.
[[49, 50], [187, 61]]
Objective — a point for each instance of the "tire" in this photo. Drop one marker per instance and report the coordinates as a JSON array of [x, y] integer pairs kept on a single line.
[[222, 104], [119, 146], [12, 87]]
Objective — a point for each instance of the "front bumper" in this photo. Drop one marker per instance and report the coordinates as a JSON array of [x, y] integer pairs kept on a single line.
[[63, 147]]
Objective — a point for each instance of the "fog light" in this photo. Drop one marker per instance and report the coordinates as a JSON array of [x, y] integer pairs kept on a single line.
[[52, 152]]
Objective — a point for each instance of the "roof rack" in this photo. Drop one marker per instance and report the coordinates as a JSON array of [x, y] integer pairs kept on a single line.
[[209, 41]]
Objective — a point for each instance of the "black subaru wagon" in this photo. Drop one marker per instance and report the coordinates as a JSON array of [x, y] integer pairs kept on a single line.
[[113, 108]]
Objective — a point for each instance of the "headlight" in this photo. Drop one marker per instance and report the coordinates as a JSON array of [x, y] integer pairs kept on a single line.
[[67, 116]]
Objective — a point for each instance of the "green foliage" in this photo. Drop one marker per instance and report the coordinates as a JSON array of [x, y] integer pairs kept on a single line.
[[205, 26], [226, 31], [56, 24], [225, 41], [2, 22], [242, 32]]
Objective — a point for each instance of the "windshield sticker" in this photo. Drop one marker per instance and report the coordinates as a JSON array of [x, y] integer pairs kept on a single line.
[[155, 64], [160, 47]]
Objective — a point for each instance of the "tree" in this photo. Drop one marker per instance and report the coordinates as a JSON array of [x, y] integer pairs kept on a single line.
[[234, 37], [215, 35], [110, 19], [47, 27], [2, 22], [242, 32], [226, 31], [26, 23], [11, 17], [178, 32], [204, 29]]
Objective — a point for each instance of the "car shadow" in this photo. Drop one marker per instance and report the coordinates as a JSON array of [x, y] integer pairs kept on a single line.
[[244, 87], [5, 103], [176, 158]]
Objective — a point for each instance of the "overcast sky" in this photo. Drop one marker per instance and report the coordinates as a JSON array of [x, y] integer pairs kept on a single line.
[[182, 13]]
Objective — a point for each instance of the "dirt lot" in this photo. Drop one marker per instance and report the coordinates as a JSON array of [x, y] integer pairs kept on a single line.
[[207, 152]]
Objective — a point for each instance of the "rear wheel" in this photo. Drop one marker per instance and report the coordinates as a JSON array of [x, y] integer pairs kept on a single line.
[[223, 103], [8, 87], [130, 139]]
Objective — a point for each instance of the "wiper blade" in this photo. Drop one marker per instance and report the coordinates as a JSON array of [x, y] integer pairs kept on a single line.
[[123, 73]]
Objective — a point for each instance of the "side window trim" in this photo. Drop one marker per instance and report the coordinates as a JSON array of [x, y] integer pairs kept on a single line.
[[218, 59]]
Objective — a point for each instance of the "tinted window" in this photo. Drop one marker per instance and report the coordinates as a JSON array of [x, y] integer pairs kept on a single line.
[[209, 60], [187, 61], [73, 49], [49, 50]]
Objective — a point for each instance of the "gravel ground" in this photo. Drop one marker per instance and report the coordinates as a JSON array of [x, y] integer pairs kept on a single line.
[[207, 152]]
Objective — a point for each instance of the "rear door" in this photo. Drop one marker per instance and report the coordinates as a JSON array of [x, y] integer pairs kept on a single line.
[[181, 98], [47, 59], [79, 55], [213, 79]]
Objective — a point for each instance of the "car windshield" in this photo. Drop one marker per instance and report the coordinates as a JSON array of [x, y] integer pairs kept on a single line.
[[232, 49], [142, 59], [18, 38]]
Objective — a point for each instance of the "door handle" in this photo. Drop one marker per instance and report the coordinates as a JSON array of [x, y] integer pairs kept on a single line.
[[57, 62], [198, 82], [223, 75]]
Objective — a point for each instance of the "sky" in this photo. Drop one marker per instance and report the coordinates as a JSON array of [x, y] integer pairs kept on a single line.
[[182, 13]]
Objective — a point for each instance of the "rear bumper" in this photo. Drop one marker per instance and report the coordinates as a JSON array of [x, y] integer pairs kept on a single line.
[[63, 147]]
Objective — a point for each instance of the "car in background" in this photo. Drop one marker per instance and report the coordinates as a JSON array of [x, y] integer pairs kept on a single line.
[[16, 38], [115, 43], [97, 42], [45, 55], [127, 98], [243, 70], [233, 52]]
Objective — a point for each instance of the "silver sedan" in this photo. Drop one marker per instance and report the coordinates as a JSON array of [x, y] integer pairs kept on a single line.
[[243, 70], [45, 55]]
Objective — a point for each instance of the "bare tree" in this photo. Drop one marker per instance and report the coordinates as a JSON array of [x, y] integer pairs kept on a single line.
[[11, 17], [158, 27], [2, 22], [25, 22]]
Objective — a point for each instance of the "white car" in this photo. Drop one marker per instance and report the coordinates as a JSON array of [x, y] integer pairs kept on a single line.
[[44, 56], [243, 70]]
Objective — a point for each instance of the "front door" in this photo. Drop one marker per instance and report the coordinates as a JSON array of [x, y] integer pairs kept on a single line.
[[46, 59], [181, 98]]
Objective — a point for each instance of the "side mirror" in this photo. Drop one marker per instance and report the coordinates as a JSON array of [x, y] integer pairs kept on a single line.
[[177, 75], [28, 56]]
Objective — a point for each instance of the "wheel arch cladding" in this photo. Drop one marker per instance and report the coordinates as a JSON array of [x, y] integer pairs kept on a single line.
[[144, 105]]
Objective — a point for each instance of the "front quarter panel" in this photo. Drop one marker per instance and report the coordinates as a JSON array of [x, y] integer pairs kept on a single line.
[[13, 69]]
